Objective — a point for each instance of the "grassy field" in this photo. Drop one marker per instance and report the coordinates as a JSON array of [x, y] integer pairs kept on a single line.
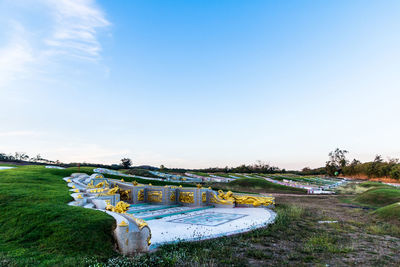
[[39, 228], [382, 198], [389, 212], [296, 239], [259, 185], [139, 172], [7, 165], [379, 197], [201, 174], [358, 188]]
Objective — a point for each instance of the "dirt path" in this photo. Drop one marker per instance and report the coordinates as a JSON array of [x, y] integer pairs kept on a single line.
[[368, 242]]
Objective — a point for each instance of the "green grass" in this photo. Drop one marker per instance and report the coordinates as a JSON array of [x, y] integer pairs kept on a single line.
[[258, 184], [359, 188], [389, 212], [226, 175], [379, 197], [8, 165], [139, 172], [324, 242], [371, 184], [201, 174], [38, 228]]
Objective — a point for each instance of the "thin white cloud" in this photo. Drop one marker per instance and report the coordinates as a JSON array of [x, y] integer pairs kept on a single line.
[[28, 50], [76, 25], [15, 55]]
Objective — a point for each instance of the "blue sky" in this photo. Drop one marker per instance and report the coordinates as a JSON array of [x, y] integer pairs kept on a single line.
[[200, 83]]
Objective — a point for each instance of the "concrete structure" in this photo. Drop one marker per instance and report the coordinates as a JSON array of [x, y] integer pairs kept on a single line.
[[174, 213]]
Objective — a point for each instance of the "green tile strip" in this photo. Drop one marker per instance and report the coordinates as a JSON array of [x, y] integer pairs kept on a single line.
[[139, 204], [175, 213], [152, 209]]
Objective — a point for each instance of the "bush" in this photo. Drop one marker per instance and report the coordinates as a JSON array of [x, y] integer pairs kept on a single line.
[[395, 172]]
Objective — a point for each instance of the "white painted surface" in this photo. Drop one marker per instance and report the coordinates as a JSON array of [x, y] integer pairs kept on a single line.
[[5, 168], [163, 231], [54, 167]]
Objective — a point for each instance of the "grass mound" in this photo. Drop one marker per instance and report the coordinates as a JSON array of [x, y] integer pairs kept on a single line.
[[379, 197], [39, 228], [257, 184], [389, 212], [359, 188], [371, 184], [139, 172]]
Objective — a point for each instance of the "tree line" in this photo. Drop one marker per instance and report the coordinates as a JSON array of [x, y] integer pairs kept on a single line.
[[339, 164], [258, 167], [24, 158]]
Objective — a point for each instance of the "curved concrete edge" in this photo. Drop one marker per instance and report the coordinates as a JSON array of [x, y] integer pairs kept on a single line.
[[131, 235], [130, 238]]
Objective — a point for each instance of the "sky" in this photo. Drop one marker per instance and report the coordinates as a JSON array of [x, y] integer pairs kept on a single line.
[[197, 84]]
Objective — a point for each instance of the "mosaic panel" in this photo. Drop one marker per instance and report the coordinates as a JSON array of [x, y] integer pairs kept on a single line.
[[159, 212], [134, 208], [209, 218]]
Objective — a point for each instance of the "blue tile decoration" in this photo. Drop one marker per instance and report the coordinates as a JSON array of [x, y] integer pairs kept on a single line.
[[209, 218], [160, 213], [148, 208]]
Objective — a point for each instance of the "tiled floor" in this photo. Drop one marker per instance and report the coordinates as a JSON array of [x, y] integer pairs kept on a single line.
[[208, 218], [135, 209], [164, 212], [205, 224]]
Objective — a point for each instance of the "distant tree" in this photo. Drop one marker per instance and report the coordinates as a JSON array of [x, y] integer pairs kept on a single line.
[[395, 172], [226, 169], [126, 162], [337, 161], [375, 168], [162, 167], [378, 159], [21, 156], [351, 169], [386, 168]]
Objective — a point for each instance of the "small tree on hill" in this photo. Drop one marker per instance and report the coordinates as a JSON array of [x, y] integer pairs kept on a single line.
[[126, 162], [374, 169], [337, 161]]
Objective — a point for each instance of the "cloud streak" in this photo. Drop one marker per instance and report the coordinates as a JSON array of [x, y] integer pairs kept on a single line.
[[31, 48], [15, 55], [76, 25]]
